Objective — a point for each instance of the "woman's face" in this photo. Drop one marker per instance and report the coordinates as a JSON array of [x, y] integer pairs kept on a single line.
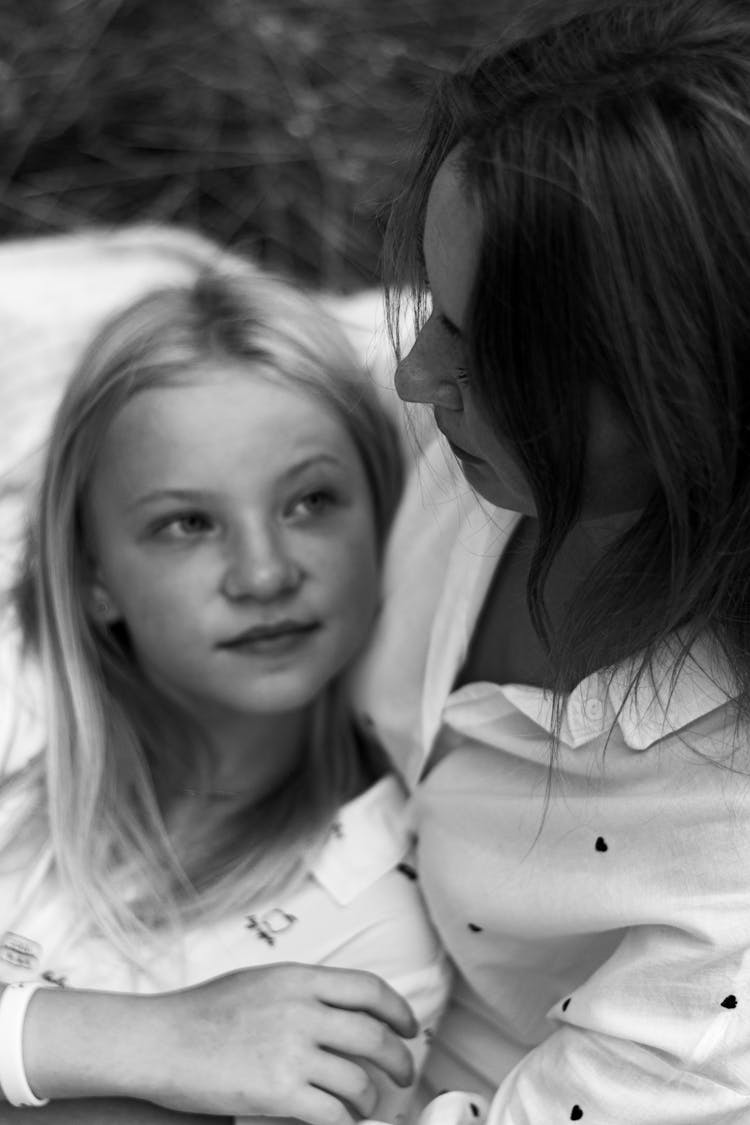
[[434, 372]]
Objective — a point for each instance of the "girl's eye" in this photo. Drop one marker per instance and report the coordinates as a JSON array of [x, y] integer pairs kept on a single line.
[[462, 375], [187, 526], [314, 503]]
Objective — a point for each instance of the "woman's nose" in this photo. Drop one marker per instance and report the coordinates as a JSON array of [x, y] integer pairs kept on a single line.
[[425, 374], [259, 566]]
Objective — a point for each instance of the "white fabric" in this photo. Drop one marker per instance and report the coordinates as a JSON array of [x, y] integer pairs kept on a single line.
[[599, 915], [55, 293], [357, 910]]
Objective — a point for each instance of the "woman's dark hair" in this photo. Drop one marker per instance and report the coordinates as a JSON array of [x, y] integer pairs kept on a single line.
[[609, 158]]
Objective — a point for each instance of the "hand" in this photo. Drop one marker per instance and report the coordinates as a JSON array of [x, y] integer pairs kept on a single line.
[[284, 1040]]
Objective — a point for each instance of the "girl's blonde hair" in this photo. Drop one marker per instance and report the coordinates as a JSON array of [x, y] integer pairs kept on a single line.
[[113, 748]]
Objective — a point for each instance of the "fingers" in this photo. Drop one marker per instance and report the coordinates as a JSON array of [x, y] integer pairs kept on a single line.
[[358, 1035], [347, 1081], [307, 1043], [321, 1108], [358, 991]]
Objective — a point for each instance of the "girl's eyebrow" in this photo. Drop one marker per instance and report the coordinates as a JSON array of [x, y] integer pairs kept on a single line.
[[184, 495], [311, 463], [196, 495]]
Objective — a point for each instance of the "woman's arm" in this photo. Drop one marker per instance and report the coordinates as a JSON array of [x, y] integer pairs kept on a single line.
[[285, 1040], [645, 930]]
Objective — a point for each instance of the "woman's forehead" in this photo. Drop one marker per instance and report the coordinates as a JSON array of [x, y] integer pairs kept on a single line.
[[452, 237]]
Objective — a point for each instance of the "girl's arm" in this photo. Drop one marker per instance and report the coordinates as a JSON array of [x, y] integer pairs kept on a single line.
[[104, 1111], [284, 1040]]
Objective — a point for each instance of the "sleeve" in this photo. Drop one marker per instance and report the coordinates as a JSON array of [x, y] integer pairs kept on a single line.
[[660, 1035], [658, 1032]]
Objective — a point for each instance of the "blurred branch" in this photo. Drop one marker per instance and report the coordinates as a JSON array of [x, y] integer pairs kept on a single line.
[[275, 123]]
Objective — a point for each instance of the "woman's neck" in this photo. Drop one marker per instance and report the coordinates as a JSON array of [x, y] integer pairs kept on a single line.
[[505, 647]]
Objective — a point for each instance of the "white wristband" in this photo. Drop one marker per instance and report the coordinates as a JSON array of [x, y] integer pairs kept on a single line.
[[13, 1004]]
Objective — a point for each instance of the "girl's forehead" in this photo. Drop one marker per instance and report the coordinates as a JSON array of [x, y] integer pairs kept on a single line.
[[246, 393], [220, 424]]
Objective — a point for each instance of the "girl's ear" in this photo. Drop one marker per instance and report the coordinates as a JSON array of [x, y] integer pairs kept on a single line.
[[101, 605]]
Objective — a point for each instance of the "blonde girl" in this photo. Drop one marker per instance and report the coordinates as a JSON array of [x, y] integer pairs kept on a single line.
[[202, 566]]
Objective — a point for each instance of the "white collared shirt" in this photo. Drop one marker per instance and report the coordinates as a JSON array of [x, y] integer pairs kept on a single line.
[[598, 913], [360, 908]]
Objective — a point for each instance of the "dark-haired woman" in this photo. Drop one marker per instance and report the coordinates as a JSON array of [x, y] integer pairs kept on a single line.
[[580, 216]]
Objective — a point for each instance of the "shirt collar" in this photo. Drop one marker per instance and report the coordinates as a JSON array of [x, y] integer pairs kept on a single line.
[[370, 835], [662, 703]]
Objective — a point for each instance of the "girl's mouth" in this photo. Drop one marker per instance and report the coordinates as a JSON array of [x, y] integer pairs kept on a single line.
[[277, 637]]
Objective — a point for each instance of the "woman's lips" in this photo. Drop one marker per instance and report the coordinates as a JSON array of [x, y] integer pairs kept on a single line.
[[457, 450], [462, 454]]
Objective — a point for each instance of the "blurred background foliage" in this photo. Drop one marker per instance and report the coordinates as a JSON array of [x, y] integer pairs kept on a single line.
[[280, 127]]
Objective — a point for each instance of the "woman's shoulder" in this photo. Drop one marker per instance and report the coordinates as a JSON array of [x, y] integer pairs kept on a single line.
[[686, 690]]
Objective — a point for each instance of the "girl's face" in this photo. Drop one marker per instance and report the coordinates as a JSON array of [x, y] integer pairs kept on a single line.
[[617, 478], [232, 531]]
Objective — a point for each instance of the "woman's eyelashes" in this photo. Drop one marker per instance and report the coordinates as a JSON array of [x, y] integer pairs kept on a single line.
[[455, 346]]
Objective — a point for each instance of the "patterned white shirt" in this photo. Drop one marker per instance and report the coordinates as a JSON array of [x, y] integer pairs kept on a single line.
[[598, 914], [360, 908]]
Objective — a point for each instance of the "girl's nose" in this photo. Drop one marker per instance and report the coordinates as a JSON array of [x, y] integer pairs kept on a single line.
[[426, 375], [258, 566]]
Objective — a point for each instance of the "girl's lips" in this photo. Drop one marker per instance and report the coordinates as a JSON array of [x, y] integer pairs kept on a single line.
[[270, 637]]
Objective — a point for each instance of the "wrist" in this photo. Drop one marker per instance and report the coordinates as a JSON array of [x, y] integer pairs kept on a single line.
[[88, 1044]]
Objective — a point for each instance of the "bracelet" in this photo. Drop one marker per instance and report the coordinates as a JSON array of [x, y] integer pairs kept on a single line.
[[13, 1004]]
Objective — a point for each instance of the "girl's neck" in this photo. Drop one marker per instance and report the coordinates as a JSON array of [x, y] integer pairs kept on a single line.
[[247, 757]]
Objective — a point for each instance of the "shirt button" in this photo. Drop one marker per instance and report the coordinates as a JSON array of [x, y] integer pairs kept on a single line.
[[593, 709]]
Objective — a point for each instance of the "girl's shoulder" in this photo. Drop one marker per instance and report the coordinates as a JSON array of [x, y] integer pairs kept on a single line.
[[366, 883], [369, 837], [359, 907]]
